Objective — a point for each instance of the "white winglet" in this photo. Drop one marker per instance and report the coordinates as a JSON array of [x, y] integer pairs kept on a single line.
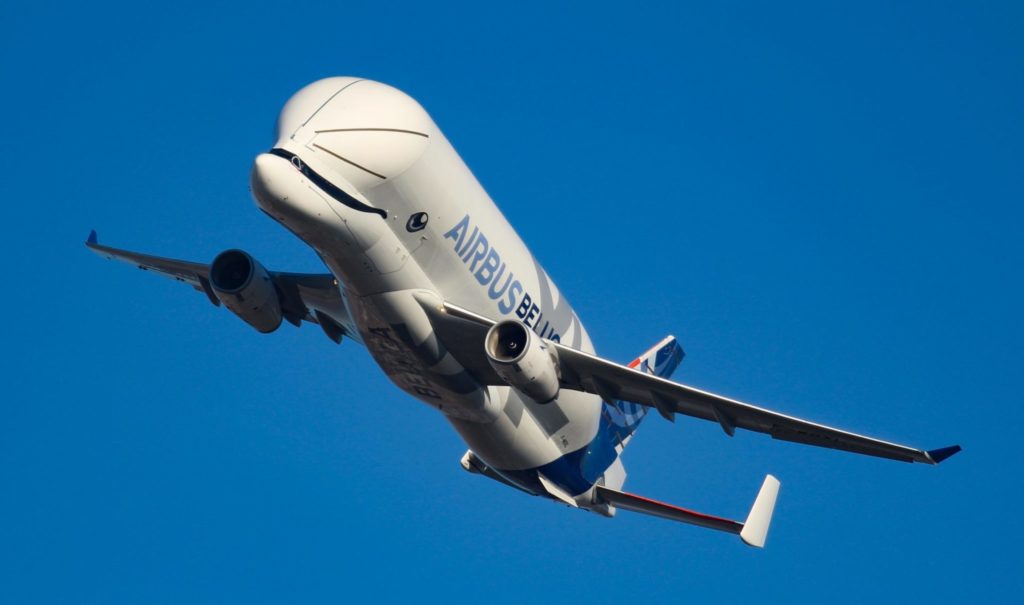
[[755, 530]]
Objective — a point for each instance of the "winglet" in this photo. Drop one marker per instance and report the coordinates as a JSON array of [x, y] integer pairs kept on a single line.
[[92, 237], [755, 529], [937, 456]]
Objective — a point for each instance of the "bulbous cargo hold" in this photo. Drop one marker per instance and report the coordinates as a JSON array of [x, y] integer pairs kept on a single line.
[[364, 131], [246, 288], [522, 360]]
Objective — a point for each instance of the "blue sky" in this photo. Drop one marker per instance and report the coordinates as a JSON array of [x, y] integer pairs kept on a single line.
[[821, 200]]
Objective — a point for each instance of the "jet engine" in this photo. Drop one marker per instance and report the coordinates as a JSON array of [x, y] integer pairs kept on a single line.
[[523, 360], [245, 287]]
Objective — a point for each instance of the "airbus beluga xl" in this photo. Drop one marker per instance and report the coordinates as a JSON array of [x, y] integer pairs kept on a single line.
[[427, 274]]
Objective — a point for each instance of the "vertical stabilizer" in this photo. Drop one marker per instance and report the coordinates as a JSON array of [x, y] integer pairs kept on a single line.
[[623, 417], [755, 529]]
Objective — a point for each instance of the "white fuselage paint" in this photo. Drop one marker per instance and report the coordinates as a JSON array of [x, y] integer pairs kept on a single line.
[[380, 147]]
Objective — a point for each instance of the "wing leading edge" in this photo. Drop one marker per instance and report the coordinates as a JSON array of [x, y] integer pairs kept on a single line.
[[585, 372]]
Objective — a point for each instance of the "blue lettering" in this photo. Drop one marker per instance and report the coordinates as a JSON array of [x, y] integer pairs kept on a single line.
[[485, 264], [524, 307], [529, 316], [486, 272], [471, 241], [496, 294], [458, 232], [481, 249], [509, 303]]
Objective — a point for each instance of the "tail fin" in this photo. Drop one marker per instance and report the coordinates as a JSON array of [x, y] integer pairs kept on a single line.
[[660, 360]]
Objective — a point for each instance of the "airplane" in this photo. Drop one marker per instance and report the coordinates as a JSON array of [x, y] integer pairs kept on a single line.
[[430, 277]]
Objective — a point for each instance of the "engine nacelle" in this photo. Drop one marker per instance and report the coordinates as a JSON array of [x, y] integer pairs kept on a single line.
[[522, 360], [245, 287]]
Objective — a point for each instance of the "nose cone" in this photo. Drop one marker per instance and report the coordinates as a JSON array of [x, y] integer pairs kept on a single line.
[[366, 131], [269, 180]]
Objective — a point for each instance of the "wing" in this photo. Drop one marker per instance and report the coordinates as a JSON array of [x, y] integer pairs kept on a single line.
[[304, 296], [585, 372]]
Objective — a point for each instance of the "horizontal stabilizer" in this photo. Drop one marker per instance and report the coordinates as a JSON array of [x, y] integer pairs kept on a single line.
[[753, 532]]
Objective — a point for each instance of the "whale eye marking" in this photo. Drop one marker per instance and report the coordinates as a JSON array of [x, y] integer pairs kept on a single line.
[[416, 222]]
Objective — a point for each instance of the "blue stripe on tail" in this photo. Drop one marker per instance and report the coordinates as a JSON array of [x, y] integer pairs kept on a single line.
[[623, 417]]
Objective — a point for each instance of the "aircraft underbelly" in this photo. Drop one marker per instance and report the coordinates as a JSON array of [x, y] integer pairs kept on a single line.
[[505, 429], [528, 435], [399, 336]]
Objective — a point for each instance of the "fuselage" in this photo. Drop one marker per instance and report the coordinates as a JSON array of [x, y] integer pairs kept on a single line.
[[362, 174]]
